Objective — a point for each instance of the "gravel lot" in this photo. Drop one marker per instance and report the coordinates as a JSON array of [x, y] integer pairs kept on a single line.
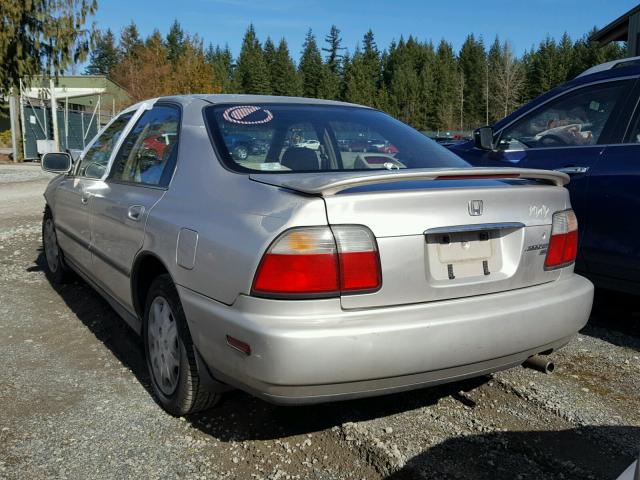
[[75, 401]]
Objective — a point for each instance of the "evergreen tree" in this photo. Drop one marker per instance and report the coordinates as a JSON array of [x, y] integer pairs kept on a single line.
[[285, 80], [472, 68], [251, 74], [175, 42], [269, 52], [493, 65], [446, 84], [310, 67], [427, 118], [333, 49], [588, 53], [104, 55], [364, 76], [220, 61], [129, 40]]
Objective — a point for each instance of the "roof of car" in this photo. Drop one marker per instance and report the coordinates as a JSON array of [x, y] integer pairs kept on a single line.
[[222, 98]]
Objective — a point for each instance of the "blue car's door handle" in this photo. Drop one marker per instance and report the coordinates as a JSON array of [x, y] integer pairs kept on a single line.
[[573, 170]]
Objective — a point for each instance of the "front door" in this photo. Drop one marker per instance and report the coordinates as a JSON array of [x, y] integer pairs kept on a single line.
[[611, 245], [139, 176], [569, 134], [73, 197]]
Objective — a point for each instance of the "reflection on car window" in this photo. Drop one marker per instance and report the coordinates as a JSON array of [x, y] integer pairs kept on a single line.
[[577, 118], [298, 137], [94, 163], [146, 153], [635, 131]]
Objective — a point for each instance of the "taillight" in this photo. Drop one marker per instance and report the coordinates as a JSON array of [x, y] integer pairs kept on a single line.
[[359, 260], [563, 244], [319, 261]]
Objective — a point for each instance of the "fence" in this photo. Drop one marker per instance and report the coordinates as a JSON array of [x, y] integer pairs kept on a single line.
[[76, 126]]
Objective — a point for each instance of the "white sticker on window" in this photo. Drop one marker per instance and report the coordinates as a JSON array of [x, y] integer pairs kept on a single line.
[[247, 115]]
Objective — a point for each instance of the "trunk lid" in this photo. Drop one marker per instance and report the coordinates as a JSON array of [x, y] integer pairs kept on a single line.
[[444, 234]]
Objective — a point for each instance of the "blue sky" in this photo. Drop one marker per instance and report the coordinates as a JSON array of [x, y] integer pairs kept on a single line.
[[521, 22]]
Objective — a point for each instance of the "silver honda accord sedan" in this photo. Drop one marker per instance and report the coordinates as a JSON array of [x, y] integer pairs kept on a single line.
[[310, 251]]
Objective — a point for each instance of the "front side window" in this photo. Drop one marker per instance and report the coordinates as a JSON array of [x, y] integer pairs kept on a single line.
[[296, 137], [95, 161], [576, 118], [147, 155]]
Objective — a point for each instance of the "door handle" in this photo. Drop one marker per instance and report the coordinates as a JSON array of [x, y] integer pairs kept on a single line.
[[84, 197], [135, 212], [573, 170]]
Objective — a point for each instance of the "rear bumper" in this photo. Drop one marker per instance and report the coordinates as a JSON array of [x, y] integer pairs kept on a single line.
[[313, 351]]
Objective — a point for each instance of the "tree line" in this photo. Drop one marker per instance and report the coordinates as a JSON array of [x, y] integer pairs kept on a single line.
[[429, 86]]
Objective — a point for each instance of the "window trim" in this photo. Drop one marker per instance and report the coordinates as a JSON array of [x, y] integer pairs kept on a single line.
[[136, 109], [617, 110], [633, 118], [158, 103], [240, 170]]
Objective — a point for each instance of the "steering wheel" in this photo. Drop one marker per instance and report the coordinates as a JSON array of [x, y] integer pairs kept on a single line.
[[551, 139]]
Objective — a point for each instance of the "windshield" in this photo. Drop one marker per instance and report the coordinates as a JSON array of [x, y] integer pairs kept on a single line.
[[306, 138]]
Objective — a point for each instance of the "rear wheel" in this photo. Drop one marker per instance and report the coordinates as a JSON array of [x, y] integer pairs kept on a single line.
[[170, 352], [56, 268]]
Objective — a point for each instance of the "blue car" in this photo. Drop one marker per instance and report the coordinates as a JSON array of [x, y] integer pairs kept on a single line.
[[589, 128]]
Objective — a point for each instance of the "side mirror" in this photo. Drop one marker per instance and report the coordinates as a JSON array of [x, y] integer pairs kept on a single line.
[[483, 138], [56, 162]]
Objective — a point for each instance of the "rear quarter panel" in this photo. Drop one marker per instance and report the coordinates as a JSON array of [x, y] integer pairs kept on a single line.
[[235, 218]]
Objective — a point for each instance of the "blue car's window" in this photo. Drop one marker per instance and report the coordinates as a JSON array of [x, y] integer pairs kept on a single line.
[[297, 137], [576, 118]]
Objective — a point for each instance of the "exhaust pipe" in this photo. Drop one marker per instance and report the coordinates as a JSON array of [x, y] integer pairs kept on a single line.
[[540, 363]]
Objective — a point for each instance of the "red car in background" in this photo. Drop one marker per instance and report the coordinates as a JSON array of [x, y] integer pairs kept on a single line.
[[159, 143]]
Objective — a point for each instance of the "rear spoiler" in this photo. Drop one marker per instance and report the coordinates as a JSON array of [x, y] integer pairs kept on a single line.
[[330, 183]]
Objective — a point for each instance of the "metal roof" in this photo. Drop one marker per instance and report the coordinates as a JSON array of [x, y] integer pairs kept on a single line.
[[617, 30]]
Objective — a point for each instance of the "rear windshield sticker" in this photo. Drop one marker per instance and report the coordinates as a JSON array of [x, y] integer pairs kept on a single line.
[[247, 115]]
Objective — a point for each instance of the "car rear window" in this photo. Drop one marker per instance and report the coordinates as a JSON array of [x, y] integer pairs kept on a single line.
[[305, 138]]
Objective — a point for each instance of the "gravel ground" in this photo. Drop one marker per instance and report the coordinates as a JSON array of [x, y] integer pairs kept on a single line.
[[75, 399]]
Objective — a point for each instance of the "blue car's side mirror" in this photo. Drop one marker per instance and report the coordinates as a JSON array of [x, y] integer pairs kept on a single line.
[[483, 138]]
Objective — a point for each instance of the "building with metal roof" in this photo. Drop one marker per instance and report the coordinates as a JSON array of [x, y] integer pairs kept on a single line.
[[625, 28]]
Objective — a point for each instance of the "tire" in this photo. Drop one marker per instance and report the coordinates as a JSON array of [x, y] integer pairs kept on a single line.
[[170, 352], [240, 152], [55, 266]]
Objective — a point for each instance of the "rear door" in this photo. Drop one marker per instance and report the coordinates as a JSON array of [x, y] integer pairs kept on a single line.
[[73, 197], [139, 176], [610, 245], [568, 133]]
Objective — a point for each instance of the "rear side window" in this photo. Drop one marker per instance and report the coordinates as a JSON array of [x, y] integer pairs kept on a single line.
[[576, 118], [307, 138], [147, 155], [634, 137]]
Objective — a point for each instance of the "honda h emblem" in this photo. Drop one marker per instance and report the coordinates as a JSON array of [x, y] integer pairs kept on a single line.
[[475, 208]]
